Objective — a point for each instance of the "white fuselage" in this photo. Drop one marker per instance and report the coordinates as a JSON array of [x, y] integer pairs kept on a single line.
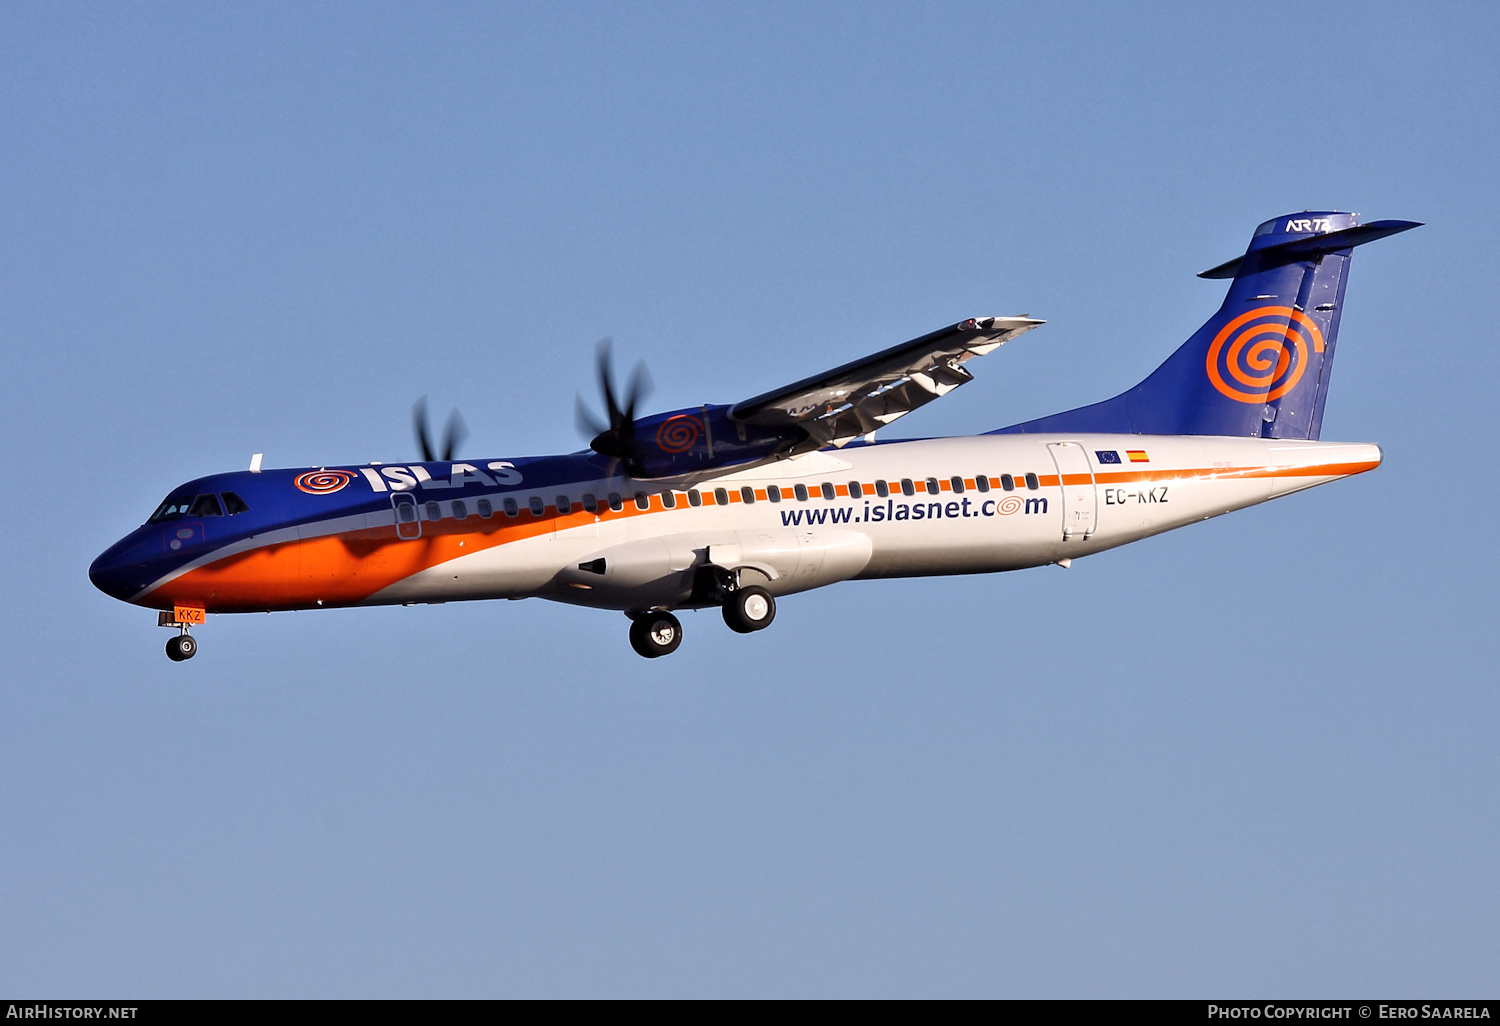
[[1069, 498]]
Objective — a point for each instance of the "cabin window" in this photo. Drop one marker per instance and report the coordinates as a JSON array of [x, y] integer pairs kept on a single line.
[[485, 509], [932, 486], [828, 490], [615, 502], [695, 497], [747, 495], [434, 511], [801, 492], [982, 482], [460, 511], [538, 507], [957, 483], [1032, 482], [590, 503], [669, 500], [206, 506], [855, 491], [406, 512], [563, 505], [907, 488], [1007, 482], [234, 504], [511, 509], [721, 497], [773, 493], [642, 500], [882, 489]]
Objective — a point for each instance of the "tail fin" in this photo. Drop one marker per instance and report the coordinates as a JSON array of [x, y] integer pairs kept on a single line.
[[1260, 366]]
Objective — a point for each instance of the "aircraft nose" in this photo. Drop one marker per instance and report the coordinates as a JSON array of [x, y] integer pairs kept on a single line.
[[122, 570]]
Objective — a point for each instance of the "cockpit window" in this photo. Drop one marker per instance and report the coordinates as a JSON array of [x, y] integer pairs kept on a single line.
[[175, 507], [206, 506], [234, 504]]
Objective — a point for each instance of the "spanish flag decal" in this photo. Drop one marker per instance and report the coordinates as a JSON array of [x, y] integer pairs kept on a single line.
[[1137, 455]]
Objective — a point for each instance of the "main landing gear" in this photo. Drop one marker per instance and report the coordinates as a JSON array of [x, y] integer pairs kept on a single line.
[[656, 632], [749, 609]]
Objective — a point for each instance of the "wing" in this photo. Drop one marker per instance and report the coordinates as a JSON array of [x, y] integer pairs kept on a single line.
[[843, 404]]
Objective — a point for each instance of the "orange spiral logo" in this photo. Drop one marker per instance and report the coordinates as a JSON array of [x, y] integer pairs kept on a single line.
[[1008, 505], [323, 482], [1263, 350], [677, 434]]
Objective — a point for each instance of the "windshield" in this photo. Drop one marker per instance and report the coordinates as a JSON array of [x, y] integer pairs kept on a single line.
[[174, 507], [206, 505]]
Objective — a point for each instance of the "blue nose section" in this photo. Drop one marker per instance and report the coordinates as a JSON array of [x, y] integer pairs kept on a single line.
[[125, 568]]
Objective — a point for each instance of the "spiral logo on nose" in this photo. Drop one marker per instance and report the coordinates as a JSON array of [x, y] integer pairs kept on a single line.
[[677, 434], [1008, 505], [322, 482], [1263, 352]]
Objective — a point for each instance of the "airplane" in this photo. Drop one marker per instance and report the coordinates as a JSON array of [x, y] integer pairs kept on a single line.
[[737, 506]]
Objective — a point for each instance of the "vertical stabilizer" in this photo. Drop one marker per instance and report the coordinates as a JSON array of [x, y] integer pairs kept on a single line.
[[1260, 366]]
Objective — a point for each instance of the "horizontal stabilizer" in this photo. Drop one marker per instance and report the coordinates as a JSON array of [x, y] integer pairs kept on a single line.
[[1313, 246]]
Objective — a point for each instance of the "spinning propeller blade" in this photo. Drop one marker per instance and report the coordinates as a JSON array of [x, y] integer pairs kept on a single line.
[[616, 436], [453, 435]]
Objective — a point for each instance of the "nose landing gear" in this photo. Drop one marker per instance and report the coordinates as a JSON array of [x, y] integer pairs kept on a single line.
[[183, 646]]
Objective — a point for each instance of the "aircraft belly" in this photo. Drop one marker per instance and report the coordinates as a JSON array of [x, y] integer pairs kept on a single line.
[[662, 570]]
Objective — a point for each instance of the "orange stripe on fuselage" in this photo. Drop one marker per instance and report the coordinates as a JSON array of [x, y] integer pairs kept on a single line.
[[1222, 473], [347, 568]]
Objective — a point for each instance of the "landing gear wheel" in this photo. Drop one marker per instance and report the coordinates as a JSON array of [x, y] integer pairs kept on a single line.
[[749, 609], [655, 634], [181, 647]]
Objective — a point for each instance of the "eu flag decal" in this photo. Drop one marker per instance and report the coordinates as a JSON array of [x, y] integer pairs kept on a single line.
[[1107, 456]]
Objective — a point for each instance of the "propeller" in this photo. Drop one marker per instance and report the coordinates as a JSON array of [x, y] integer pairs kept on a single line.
[[616, 437], [453, 434]]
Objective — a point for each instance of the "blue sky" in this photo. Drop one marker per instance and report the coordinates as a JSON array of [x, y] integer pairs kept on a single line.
[[1254, 756]]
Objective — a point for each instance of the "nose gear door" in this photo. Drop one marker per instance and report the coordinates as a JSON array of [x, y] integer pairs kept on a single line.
[[1080, 503]]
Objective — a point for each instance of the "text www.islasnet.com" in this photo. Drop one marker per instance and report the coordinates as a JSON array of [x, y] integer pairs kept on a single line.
[[893, 511]]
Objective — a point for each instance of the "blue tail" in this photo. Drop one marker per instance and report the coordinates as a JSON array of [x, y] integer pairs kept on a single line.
[[1260, 366]]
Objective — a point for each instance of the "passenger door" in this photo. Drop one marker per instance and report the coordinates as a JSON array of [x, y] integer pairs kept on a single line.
[[1080, 503]]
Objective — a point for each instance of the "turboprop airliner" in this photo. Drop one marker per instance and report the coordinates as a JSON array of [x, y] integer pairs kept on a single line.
[[737, 506]]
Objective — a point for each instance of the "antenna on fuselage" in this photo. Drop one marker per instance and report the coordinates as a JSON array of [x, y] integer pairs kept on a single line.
[[255, 462]]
